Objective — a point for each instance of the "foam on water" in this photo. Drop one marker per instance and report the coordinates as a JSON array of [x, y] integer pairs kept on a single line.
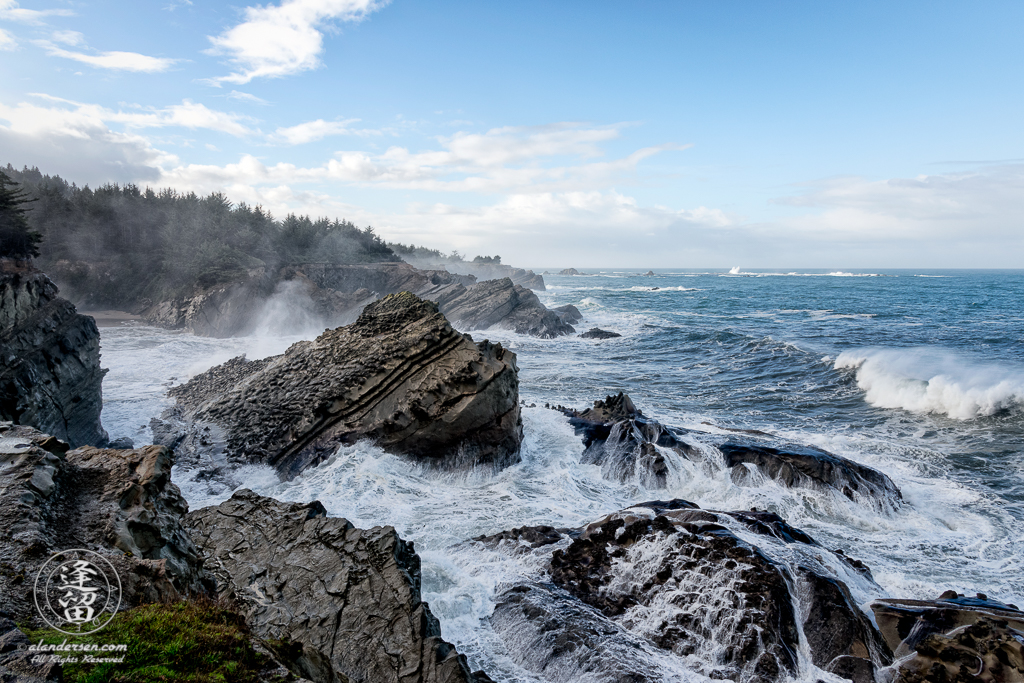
[[927, 380], [837, 363]]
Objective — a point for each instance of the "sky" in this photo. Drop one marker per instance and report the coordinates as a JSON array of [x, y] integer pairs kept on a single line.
[[578, 133]]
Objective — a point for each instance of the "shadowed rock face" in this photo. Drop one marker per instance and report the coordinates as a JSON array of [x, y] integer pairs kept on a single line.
[[666, 580], [351, 594], [117, 502], [598, 333], [50, 376], [503, 304], [953, 639], [400, 375]]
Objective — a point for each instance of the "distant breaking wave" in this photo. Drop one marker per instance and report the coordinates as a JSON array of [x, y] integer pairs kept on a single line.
[[934, 381]]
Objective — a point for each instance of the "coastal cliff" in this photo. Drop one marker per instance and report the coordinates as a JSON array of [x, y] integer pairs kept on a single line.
[[50, 377]]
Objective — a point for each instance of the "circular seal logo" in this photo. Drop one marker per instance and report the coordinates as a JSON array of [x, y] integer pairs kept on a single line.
[[77, 592]]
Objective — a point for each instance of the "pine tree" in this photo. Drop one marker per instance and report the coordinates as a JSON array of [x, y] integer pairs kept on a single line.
[[17, 239]]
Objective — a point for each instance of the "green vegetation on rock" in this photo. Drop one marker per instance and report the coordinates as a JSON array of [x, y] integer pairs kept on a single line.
[[191, 642]]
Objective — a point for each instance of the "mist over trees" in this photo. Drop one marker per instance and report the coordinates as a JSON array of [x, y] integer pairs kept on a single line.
[[117, 245]]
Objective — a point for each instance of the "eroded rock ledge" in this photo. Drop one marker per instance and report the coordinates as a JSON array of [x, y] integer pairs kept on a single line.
[[351, 594], [400, 375], [50, 375]]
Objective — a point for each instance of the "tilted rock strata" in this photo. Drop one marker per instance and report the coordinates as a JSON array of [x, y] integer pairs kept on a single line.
[[953, 639], [500, 303], [118, 503], [400, 376], [351, 594], [50, 375]]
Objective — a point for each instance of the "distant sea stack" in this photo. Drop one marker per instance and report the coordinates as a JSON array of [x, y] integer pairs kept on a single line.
[[569, 271], [50, 377], [400, 376]]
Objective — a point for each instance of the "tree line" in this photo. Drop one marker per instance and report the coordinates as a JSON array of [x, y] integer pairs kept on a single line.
[[119, 244]]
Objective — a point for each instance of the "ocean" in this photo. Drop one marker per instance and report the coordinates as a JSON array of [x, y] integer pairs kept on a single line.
[[917, 373]]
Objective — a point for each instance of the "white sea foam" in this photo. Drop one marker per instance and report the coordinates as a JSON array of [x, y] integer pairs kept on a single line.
[[924, 380]]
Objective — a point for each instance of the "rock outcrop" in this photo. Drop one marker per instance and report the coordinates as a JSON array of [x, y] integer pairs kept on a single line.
[[500, 303], [497, 271], [120, 504], [638, 592], [625, 443], [569, 314], [50, 375], [954, 639], [400, 376], [598, 333], [350, 594]]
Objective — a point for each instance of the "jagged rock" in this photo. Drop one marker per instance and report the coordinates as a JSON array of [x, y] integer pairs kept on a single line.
[[810, 467], [50, 375], [400, 376], [649, 273], [16, 663], [665, 581], [617, 436], [953, 639], [598, 333], [568, 271], [623, 442], [569, 314], [496, 271], [351, 594], [118, 503], [503, 304]]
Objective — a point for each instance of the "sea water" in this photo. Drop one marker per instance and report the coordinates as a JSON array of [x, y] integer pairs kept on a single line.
[[919, 374]]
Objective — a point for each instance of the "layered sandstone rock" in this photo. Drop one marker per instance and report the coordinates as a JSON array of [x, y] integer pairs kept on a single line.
[[119, 503], [400, 376], [351, 594], [50, 375]]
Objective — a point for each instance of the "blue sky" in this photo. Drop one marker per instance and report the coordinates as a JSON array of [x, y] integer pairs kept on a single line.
[[587, 134]]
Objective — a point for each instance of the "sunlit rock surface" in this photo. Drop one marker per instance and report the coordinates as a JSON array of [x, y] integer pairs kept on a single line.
[[400, 376]]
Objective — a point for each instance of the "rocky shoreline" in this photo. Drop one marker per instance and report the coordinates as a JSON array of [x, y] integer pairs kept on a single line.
[[659, 591]]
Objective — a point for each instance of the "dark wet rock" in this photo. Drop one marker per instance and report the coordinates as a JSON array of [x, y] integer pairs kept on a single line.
[[119, 503], [569, 314], [50, 375], [898, 620], [649, 273], [684, 600], [352, 595], [549, 632], [497, 271], [598, 333], [400, 376], [623, 442], [665, 582], [569, 271], [500, 303], [810, 467]]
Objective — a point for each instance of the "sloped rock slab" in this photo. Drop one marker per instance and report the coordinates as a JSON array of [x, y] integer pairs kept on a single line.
[[351, 594], [400, 376]]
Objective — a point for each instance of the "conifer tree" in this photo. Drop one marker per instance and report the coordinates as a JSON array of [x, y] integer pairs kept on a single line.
[[17, 239]]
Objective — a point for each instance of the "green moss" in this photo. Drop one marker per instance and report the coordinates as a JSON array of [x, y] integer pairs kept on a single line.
[[191, 642]]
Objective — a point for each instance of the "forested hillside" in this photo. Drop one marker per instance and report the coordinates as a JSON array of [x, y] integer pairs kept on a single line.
[[120, 245]]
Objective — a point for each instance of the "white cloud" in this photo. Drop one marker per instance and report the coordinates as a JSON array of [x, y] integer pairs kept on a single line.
[[280, 40], [68, 37], [7, 41], [117, 61], [10, 11], [987, 202], [310, 131], [188, 114], [246, 97]]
